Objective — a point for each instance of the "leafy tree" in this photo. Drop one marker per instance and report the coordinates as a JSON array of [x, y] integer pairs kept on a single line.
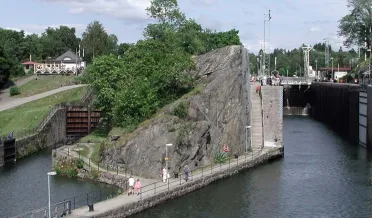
[[356, 25], [97, 41]]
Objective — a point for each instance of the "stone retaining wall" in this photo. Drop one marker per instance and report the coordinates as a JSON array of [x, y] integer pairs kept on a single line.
[[53, 133], [108, 178], [130, 209], [1, 154]]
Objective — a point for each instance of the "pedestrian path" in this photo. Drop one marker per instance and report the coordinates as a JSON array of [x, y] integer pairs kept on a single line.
[[256, 116], [155, 188], [7, 103]]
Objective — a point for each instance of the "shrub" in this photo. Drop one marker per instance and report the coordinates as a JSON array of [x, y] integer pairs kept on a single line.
[[93, 174], [79, 163], [220, 158], [14, 91], [65, 167], [180, 110]]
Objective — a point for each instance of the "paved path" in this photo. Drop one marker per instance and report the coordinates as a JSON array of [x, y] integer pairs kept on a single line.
[[7, 102], [4, 94], [149, 190]]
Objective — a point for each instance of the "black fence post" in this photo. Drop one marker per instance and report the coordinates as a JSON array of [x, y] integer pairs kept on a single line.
[[117, 170], [202, 171], [180, 179], [168, 184], [229, 163], [87, 198], [68, 151], [107, 168], [98, 166], [89, 162], [211, 169], [237, 161], [79, 154], [220, 167], [100, 195], [74, 203], [155, 188]]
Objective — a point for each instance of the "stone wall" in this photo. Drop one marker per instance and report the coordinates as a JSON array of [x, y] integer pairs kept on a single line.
[[108, 178], [135, 207], [1, 154], [272, 103], [53, 133], [337, 105]]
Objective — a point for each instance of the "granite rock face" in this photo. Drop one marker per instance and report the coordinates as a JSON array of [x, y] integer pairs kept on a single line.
[[217, 114]]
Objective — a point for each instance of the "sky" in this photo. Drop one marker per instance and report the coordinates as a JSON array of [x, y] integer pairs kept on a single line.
[[293, 22]]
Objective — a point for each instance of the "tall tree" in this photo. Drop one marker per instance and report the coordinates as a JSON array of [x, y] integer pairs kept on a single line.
[[356, 26], [97, 41]]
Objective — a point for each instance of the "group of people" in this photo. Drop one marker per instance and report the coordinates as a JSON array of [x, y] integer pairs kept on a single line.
[[134, 186], [273, 80], [165, 174]]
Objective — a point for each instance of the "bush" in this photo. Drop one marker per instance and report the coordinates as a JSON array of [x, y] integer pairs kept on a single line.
[[65, 167], [79, 163], [93, 174], [180, 110], [14, 91], [220, 158]]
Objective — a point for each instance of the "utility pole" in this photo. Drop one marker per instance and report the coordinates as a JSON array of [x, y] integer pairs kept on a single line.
[[326, 53], [266, 54], [316, 69]]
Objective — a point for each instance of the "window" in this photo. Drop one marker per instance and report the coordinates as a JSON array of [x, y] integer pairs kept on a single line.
[[27, 67]]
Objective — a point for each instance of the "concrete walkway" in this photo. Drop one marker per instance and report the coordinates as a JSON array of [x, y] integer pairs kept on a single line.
[[7, 102], [256, 115], [148, 191]]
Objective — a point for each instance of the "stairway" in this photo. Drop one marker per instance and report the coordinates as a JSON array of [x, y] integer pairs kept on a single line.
[[257, 139]]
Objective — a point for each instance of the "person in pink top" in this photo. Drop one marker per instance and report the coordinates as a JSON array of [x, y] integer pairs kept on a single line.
[[138, 186]]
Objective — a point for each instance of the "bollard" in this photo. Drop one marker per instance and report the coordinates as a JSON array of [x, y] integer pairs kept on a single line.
[[155, 188]]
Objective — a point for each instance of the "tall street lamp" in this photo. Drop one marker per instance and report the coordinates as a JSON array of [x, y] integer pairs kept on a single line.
[[49, 174], [246, 138], [166, 155], [316, 68], [332, 69]]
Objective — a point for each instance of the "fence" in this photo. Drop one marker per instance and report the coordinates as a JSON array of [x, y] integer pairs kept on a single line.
[[70, 203], [56, 210]]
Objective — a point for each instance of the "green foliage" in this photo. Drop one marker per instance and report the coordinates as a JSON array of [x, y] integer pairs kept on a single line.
[[80, 163], [14, 90], [180, 110], [93, 173], [65, 166], [7, 65], [220, 158], [150, 73]]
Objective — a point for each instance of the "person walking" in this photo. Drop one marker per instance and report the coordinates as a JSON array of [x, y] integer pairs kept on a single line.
[[138, 187], [187, 172], [165, 174], [131, 185]]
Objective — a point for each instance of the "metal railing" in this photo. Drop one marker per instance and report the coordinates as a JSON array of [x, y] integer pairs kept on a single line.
[[57, 210], [68, 204]]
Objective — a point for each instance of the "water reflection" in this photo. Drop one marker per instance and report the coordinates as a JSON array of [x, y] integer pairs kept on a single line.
[[24, 185]]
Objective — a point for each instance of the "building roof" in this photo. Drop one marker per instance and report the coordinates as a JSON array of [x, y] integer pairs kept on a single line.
[[67, 57], [29, 63]]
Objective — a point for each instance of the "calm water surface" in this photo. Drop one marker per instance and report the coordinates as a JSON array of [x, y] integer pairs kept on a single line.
[[24, 185], [320, 175]]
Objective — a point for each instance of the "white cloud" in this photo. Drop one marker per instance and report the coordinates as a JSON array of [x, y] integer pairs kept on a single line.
[[315, 29], [37, 28], [130, 10], [18, 30]]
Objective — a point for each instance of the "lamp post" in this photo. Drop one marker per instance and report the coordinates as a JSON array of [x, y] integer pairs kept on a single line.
[[332, 76], [316, 68], [49, 174], [246, 138], [166, 155]]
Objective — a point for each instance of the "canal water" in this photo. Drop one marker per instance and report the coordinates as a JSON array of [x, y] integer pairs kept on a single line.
[[321, 175], [24, 185]]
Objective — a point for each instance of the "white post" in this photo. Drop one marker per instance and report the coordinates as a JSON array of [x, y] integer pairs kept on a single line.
[[49, 174]]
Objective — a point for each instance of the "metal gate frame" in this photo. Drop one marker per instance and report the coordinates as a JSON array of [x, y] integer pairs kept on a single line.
[[363, 100]]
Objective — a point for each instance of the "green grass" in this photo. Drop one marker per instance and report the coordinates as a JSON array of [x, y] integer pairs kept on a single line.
[[95, 153], [43, 84], [29, 115], [84, 150]]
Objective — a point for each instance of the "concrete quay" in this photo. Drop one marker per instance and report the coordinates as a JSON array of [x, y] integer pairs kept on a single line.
[[156, 193]]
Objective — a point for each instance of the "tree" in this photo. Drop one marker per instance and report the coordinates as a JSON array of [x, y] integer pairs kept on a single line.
[[7, 66], [356, 26], [166, 11], [96, 41]]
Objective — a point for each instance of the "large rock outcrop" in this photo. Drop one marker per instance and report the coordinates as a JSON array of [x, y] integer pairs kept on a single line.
[[217, 114]]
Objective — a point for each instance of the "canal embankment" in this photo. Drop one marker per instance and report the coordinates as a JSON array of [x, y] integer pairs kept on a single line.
[[159, 192]]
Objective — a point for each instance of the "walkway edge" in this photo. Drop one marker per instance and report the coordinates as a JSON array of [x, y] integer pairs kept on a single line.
[[148, 202]]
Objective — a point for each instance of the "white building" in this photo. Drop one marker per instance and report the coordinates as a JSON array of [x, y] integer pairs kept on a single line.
[[67, 63]]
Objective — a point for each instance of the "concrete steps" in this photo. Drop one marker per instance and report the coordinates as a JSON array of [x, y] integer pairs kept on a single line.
[[256, 122]]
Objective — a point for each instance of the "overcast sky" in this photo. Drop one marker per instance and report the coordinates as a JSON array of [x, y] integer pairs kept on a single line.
[[293, 21]]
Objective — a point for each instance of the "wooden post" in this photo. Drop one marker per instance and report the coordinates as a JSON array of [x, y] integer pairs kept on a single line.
[[89, 120]]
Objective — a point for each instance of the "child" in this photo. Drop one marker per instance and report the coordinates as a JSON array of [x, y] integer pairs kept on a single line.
[[137, 186]]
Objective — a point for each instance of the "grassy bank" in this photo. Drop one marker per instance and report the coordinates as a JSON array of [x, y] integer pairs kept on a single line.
[[29, 115], [43, 84]]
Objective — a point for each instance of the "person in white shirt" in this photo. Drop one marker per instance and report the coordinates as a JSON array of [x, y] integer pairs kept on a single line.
[[131, 185]]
